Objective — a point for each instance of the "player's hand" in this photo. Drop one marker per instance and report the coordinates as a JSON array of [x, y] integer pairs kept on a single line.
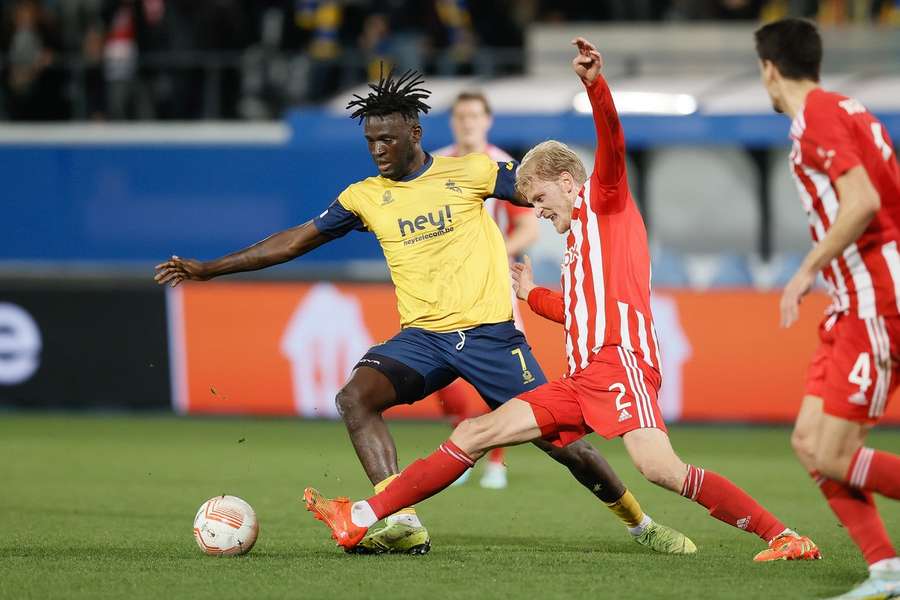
[[588, 62], [175, 270], [523, 278], [797, 287]]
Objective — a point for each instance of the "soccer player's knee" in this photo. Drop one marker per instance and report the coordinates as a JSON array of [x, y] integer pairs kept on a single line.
[[667, 474], [803, 444], [578, 453], [473, 435], [348, 402]]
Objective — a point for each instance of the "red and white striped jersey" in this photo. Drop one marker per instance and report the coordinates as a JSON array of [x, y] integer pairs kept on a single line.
[[605, 300], [504, 213], [831, 135]]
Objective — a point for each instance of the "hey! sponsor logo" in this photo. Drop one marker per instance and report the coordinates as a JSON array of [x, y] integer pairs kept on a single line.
[[435, 223]]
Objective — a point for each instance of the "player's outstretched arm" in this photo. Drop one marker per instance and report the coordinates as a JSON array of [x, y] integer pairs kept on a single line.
[[275, 249], [609, 158], [543, 301], [859, 204]]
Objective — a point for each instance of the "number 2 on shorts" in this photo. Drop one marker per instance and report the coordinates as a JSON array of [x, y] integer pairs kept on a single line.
[[619, 387]]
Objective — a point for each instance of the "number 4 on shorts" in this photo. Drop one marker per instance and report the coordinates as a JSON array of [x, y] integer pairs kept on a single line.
[[859, 375]]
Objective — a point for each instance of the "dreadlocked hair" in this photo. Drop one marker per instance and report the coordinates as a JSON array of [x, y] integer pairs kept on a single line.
[[404, 95]]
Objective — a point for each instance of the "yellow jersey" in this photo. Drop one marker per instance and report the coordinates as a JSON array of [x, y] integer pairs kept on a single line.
[[446, 256]]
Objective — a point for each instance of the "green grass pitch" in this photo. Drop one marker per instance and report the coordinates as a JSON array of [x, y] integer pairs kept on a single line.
[[101, 507]]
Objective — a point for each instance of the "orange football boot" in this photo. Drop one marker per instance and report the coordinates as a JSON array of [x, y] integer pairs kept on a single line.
[[336, 514], [789, 546]]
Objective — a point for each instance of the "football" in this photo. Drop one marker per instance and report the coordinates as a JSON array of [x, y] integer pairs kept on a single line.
[[225, 526]]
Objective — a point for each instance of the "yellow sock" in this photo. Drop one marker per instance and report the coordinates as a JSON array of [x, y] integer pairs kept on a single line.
[[627, 509], [379, 487]]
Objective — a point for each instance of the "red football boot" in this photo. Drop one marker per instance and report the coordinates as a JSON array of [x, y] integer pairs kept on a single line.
[[336, 514]]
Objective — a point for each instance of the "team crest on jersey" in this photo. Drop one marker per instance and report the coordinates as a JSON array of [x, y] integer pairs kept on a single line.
[[386, 198], [827, 156], [453, 186], [570, 256]]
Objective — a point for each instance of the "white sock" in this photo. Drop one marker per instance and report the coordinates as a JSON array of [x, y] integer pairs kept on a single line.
[[362, 514], [404, 518], [885, 565], [645, 522], [787, 531]]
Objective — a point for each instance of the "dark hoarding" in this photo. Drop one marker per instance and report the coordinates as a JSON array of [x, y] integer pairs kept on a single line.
[[83, 346]]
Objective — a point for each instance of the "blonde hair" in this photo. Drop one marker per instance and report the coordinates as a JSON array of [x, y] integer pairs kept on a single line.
[[546, 161]]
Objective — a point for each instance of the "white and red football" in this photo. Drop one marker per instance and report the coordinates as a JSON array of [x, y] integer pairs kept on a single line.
[[225, 526]]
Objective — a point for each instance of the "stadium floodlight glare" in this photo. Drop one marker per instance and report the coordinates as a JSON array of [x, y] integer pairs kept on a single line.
[[643, 103]]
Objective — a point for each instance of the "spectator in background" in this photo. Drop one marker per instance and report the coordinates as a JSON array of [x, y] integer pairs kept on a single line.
[[33, 80], [736, 9], [92, 46], [886, 12], [163, 30], [321, 21], [556, 11], [83, 32], [223, 29], [397, 34], [499, 26], [457, 38], [122, 98], [637, 10], [720, 10]]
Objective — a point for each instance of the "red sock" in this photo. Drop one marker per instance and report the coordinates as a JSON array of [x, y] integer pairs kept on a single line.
[[875, 471], [422, 479], [856, 510], [729, 503], [496, 456]]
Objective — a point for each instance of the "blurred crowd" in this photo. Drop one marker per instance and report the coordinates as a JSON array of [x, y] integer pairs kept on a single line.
[[824, 11], [249, 59]]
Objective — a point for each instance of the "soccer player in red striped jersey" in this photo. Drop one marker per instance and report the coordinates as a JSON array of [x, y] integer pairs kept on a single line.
[[846, 172], [470, 121], [613, 379]]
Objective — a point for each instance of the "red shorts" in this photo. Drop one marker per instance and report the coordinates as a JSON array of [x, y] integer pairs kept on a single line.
[[615, 394], [853, 370]]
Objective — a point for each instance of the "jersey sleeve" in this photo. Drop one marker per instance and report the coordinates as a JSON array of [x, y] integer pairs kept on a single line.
[[548, 304], [829, 145], [337, 220], [609, 158], [505, 184], [491, 179]]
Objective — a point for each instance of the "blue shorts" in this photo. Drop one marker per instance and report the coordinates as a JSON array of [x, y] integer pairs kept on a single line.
[[494, 358]]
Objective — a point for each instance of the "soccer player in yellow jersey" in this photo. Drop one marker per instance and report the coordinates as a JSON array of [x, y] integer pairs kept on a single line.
[[448, 263]]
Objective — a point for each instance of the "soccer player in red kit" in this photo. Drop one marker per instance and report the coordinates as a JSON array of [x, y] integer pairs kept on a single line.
[[613, 377], [470, 121], [849, 183]]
